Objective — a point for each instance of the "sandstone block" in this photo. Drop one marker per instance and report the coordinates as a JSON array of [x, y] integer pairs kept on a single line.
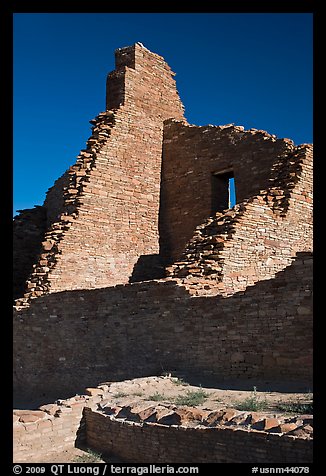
[[29, 416], [191, 414], [214, 417], [94, 391], [147, 413], [300, 432], [172, 418], [47, 245], [50, 408], [270, 423], [229, 413], [286, 427]]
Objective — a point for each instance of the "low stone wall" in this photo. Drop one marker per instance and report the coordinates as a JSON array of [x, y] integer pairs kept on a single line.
[[148, 432], [51, 428], [154, 443]]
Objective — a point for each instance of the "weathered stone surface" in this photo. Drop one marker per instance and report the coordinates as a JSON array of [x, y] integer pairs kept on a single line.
[[254, 417], [146, 413], [229, 414], [189, 414], [172, 418], [93, 391], [301, 432], [190, 444], [287, 427], [240, 419], [270, 423], [308, 429], [28, 416], [139, 197], [111, 410], [214, 417], [50, 408]]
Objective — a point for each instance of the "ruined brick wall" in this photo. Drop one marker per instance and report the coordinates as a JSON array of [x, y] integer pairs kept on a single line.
[[191, 155], [258, 237], [42, 432], [108, 217], [112, 218], [54, 202], [66, 341], [91, 421], [237, 303], [152, 443]]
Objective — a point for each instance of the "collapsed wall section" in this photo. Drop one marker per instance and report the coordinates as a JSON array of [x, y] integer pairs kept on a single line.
[[108, 218], [66, 341], [257, 237], [194, 157]]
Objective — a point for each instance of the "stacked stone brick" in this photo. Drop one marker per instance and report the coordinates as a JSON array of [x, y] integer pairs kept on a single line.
[[66, 341], [29, 228], [90, 420], [60, 219], [236, 302], [256, 238], [107, 218]]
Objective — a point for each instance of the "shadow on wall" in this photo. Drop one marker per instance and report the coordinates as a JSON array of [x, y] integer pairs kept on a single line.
[[148, 267], [75, 339], [28, 232]]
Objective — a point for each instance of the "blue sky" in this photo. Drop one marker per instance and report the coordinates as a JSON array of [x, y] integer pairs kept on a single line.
[[250, 69]]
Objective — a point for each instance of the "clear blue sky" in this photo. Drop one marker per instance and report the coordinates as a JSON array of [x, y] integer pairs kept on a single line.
[[251, 69]]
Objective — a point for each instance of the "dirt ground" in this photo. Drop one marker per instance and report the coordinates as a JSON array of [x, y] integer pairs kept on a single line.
[[76, 455], [166, 389]]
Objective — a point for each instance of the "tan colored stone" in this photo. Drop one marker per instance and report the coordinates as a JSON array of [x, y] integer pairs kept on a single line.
[[47, 245], [229, 413], [299, 432], [189, 414], [50, 408], [286, 427], [26, 416], [308, 429], [270, 423], [93, 391], [171, 418], [147, 413], [214, 417]]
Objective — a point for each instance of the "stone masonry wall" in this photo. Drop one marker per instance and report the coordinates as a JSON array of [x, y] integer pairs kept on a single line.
[[42, 432], [154, 443], [191, 155], [92, 421], [255, 239], [108, 219], [68, 340]]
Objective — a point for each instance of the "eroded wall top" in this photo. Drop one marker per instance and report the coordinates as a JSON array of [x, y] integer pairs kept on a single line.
[[102, 215]]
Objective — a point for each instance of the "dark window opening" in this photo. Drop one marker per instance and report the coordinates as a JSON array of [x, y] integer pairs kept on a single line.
[[223, 191]]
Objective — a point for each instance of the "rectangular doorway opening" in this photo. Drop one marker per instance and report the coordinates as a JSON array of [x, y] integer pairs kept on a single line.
[[223, 191]]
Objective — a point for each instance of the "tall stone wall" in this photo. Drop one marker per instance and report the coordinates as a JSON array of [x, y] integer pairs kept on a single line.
[[72, 339], [105, 228], [236, 304]]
